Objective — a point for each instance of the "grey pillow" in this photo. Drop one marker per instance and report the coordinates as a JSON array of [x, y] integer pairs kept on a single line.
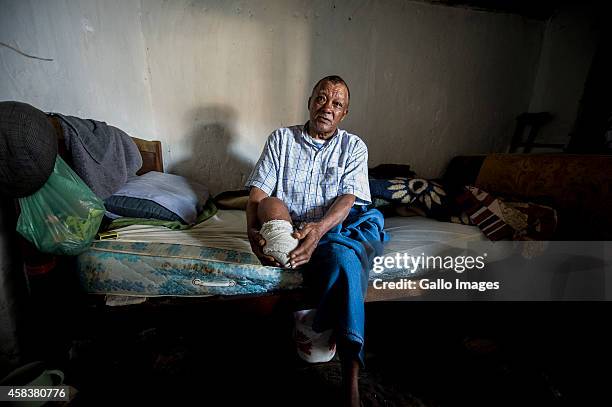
[[159, 195]]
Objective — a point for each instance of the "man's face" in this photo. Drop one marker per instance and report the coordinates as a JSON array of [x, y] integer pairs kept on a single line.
[[328, 106]]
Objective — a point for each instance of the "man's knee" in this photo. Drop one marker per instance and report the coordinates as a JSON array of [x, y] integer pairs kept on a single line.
[[334, 253], [337, 249], [271, 202], [272, 208]]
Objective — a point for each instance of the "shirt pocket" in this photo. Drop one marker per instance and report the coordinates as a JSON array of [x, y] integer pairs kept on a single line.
[[331, 181]]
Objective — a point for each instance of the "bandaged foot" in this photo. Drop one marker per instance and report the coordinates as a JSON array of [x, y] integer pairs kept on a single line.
[[279, 242], [311, 346]]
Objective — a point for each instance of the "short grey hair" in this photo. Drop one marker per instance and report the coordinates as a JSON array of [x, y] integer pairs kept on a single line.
[[335, 79]]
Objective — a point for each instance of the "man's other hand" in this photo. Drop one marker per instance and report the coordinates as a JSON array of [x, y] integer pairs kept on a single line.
[[257, 244], [309, 237]]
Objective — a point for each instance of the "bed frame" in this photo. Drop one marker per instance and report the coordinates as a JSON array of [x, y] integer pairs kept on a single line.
[[151, 153]]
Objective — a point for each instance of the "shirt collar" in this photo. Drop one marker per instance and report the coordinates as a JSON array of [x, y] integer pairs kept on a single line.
[[309, 139]]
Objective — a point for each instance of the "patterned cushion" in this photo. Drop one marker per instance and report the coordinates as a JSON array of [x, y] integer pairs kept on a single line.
[[485, 211], [499, 219], [540, 221], [427, 196]]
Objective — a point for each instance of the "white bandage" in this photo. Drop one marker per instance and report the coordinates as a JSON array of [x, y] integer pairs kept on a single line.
[[311, 346], [279, 242]]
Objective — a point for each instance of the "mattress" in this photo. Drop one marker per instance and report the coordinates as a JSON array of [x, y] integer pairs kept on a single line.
[[420, 237], [214, 257]]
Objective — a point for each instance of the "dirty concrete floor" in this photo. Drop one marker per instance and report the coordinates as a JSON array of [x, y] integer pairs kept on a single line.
[[417, 354]]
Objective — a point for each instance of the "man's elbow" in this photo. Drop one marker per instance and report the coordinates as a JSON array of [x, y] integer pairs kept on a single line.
[[345, 201], [349, 199]]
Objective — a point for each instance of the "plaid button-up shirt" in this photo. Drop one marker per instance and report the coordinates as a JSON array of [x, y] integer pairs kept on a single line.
[[308, 176]]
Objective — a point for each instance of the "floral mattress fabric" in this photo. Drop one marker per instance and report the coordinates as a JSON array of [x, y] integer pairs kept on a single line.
[[214, 257]]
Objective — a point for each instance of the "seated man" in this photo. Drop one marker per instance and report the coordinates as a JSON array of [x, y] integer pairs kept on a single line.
[[315, 176]]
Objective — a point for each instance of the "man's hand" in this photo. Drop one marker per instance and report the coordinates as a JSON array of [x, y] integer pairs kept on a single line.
[[257, 244], [309, 237]]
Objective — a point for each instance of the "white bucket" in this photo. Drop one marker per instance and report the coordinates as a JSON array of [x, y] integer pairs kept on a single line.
[[311, 346]]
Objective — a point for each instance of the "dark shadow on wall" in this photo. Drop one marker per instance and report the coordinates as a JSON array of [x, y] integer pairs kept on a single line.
[[211, 161], [13, 291], [592, 133]]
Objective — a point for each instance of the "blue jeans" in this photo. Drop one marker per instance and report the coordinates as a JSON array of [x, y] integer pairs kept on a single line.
[[338, 273]]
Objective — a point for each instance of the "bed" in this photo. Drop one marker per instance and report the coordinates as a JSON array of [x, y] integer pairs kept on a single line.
[[214, 258]]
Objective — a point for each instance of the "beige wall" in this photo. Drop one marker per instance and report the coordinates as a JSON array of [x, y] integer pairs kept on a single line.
[[212, 79], [98, 68]]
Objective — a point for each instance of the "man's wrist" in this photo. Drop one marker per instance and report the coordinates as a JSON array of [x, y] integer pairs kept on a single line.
[[320, 228]]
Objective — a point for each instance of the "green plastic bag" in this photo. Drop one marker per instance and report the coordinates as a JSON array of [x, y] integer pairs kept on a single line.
[[63, 216]]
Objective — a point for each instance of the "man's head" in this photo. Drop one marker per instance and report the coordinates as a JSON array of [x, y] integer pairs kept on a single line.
[[328, 105]]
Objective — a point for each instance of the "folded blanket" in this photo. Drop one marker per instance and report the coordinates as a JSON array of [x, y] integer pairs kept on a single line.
[[102, 155]]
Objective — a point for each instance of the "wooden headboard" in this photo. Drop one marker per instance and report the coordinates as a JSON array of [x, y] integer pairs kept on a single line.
[[150, 151]]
